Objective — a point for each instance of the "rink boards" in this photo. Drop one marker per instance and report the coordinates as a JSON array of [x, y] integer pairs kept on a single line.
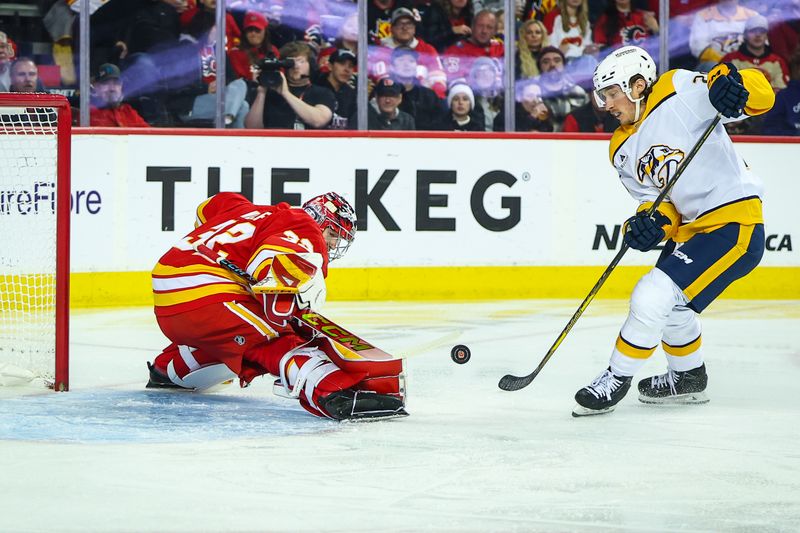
[[441, 217]]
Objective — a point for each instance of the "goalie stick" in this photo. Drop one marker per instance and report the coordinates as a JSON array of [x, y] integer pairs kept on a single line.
[[510, 382]]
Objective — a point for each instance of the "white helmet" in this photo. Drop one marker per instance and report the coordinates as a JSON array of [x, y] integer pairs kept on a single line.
[[619, 67]]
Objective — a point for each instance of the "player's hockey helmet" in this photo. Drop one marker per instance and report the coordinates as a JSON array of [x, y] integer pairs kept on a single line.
[[330, 210], [619, 67]]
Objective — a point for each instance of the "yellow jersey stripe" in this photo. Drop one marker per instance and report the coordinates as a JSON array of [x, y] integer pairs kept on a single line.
[[631, 350], [746, 212], [722, 264], [254, 320], [167, 270], [201, 218], [680, 351], [663, 88], [164, 299]]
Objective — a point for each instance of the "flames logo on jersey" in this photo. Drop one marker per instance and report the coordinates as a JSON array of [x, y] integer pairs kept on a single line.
[[659, 164]]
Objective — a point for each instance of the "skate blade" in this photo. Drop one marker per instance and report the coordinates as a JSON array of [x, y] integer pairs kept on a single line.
[[402, 413], [680, 399], [579, 411]]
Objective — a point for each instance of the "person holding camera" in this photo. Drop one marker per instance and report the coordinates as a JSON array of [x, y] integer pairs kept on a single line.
[[285, 98]]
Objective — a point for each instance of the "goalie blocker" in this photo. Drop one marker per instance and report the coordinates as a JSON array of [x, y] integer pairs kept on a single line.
[[228, 322]]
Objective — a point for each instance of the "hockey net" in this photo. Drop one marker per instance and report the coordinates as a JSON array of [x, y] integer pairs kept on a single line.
[[34, 239]]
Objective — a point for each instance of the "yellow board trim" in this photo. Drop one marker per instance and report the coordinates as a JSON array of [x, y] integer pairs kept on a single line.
[[123, 289], [632, 351], [681, 351], [722, 264]]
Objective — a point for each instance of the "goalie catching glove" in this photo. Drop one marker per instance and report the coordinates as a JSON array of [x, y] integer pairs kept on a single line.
[[298, 274]]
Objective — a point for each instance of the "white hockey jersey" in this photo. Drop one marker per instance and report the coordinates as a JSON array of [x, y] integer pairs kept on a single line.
[[718, 186]]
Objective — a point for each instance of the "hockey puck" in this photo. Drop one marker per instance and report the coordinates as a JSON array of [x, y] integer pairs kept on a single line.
[[460, 354]]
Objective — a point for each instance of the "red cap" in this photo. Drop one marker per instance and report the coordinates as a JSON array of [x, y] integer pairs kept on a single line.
[[254, 19]]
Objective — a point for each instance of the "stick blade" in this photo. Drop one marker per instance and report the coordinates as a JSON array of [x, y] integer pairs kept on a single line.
[[511, 383]]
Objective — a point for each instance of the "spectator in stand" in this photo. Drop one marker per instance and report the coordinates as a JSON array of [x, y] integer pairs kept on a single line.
[[434, 24], [342, 64], [108, 108], [569, 28], [197, 102], [418, 101], [756, 53], [461, 102], [481, 43], [784, 32], [379, 17], [485, 79], [403, 34], [538, 9], [621, 25], [531, 40], [460, 15], [384, 110], [155, 26], [201, 17], [530, 111], [716, 31], [294, 103], [254, 46], [25, 76], [348, 40], [559, 92], [589, 119], [7, 54], [784, 117]]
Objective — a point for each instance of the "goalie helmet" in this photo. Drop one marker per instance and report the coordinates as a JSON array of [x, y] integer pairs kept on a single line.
[[331, 211], [619, 67]]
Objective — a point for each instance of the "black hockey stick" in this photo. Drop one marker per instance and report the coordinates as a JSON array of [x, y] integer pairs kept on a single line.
[[510, 382]]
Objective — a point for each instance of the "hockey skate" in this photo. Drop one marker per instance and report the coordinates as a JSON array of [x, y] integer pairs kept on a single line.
[[601, 395], [159, 380], [675, 387], [349, 404]]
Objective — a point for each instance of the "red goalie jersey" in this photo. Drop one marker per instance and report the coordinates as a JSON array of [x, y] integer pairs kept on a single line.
[[247, 234]]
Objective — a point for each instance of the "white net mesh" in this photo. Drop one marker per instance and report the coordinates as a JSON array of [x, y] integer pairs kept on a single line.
[[28, 181]]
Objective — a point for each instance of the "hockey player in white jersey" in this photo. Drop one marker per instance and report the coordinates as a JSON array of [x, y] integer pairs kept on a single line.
[[711, 220]]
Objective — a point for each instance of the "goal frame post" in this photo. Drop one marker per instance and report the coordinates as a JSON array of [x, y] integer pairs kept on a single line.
[[63, 199]]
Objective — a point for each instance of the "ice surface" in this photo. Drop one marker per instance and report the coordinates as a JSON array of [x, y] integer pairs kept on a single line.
[[112, 456]]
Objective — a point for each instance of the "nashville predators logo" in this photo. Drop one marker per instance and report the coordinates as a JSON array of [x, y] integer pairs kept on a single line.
[[659, 164]]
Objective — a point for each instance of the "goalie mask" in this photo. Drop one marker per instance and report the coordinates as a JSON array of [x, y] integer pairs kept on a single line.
[[331, 211]]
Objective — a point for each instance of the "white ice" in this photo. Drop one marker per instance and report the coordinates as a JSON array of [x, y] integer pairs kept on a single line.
[[111, 456]]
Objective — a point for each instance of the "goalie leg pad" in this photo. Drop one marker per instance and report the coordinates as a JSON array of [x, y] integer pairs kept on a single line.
[[328, 391]]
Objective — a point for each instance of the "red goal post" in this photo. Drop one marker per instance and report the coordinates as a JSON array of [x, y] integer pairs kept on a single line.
[[35, 134]]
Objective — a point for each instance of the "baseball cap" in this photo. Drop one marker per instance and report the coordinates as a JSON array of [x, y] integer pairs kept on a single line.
[[342, 54], [254, 19], [402, 12], [388, 87], [756, 22], [106, 72]]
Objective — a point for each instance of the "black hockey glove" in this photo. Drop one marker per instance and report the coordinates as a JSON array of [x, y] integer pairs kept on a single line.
[[644, 232], [726, 91]]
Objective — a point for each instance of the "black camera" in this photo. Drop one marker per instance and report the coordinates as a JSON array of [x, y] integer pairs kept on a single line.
[[270, 76]]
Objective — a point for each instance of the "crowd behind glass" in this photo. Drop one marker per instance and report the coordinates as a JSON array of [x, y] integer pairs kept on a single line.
[[431, 64]]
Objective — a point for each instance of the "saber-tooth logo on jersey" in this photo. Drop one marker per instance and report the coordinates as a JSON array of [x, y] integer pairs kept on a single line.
[[659, 164]]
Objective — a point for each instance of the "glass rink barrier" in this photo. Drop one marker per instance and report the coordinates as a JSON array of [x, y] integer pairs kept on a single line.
[[441, 65]]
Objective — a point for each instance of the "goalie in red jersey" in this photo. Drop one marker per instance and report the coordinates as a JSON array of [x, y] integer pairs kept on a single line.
[[225, 325]]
